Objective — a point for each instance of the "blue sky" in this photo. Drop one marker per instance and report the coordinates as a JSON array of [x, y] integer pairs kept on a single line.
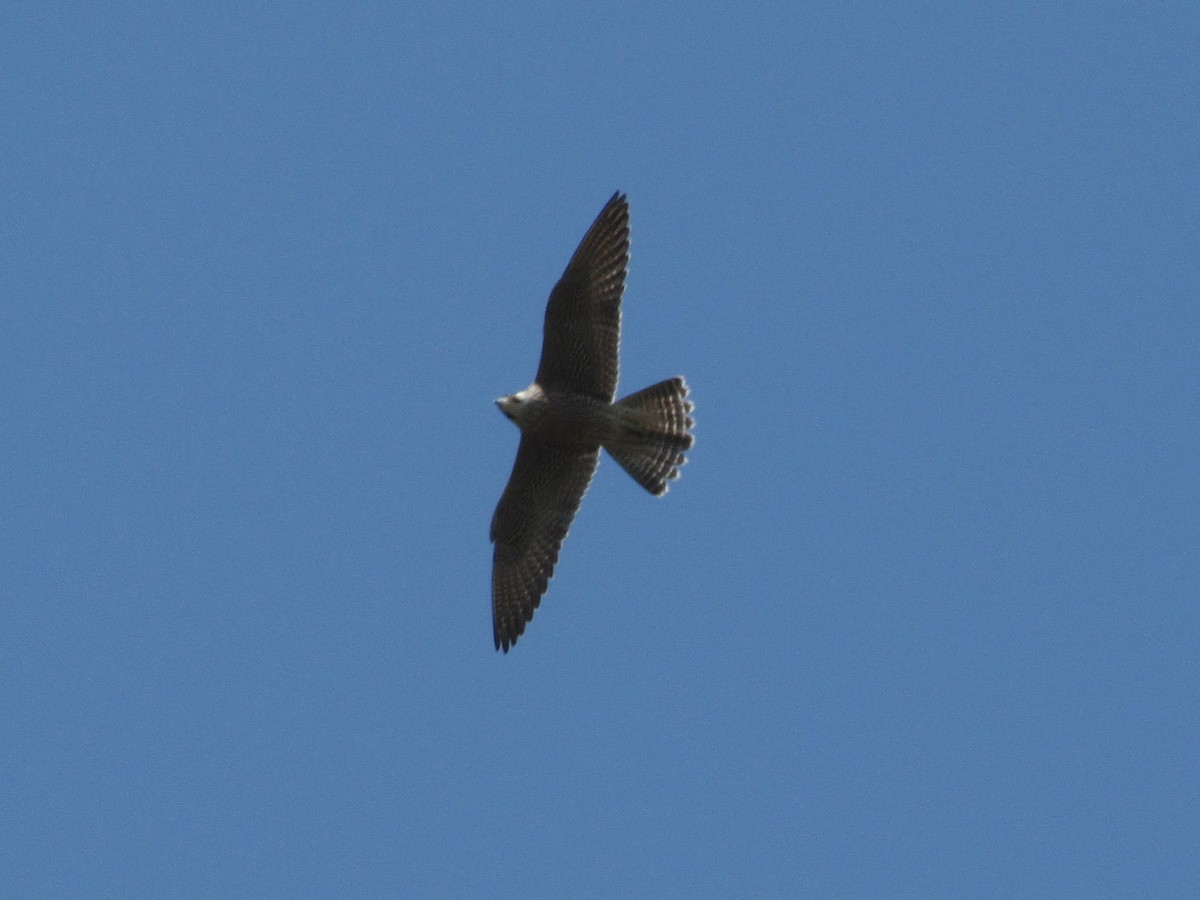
[[920, 617]]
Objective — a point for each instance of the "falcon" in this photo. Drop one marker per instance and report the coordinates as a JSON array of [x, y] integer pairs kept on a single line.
[[568, 414]]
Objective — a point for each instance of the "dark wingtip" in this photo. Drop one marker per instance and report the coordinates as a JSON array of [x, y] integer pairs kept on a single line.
[[506, 640]]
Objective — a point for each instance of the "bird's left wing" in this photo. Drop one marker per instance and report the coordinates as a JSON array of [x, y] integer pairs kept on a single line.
[[581, 336]]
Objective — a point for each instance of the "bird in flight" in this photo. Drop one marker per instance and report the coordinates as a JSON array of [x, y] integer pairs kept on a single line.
[[568, 414]]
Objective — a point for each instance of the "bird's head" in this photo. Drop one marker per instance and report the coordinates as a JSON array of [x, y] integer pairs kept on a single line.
[[514, 406]]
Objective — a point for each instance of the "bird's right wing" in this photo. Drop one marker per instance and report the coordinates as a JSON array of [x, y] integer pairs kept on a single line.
[[533, 516], [581, 336]]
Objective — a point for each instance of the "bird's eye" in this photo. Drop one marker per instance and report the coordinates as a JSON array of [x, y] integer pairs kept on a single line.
[[517, 399]]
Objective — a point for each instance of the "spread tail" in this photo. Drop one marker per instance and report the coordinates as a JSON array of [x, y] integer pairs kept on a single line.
[[654, 433]]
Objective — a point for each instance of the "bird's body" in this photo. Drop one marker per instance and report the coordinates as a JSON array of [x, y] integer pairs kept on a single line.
[[567, 415], [561, 417]]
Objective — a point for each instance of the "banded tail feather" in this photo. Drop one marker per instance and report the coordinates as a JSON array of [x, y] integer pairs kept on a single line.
[[655, 434]]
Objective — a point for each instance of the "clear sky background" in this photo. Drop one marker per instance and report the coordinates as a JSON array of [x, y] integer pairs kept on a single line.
[[919, 619]]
